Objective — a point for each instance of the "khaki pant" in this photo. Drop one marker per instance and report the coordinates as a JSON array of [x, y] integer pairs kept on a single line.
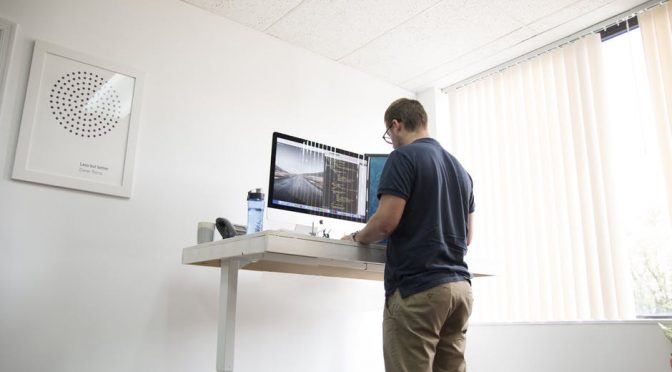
[[425, 332]]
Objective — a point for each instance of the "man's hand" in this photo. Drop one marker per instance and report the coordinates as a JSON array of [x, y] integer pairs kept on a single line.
[[348, 238]]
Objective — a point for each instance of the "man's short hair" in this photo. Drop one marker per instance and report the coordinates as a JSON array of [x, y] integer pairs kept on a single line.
[[408, 111]]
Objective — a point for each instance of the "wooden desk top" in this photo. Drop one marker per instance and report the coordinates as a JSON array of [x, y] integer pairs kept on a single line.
[[290, 252]]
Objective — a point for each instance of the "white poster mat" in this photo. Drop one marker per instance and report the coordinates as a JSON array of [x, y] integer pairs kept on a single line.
[[79, 123]]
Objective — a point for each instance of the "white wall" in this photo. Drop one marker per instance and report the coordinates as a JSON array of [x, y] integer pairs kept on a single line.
[[435, 105], [94, 283]]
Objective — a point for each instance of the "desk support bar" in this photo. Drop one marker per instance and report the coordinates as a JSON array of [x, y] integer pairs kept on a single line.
[[226, 331]]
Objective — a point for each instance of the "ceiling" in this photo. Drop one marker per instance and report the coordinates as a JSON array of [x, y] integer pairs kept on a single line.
[[418, 44]]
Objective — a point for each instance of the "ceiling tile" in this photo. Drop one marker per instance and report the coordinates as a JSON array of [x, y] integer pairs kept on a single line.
[[498, 51], [431, 39], [338, 27], [258, 14], [528, 11]]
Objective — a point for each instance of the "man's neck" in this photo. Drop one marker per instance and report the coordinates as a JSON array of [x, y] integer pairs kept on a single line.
[[413, 136]]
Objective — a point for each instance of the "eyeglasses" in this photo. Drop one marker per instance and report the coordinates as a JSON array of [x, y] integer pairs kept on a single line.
[[386, 135]]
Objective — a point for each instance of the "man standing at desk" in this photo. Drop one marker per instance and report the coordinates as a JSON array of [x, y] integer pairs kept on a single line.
[[425, 211]]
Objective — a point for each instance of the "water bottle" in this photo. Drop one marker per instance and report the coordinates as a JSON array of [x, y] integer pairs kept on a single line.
[[255, 211]]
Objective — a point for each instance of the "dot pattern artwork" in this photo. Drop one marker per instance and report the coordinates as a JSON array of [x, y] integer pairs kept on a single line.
[[83, 105]]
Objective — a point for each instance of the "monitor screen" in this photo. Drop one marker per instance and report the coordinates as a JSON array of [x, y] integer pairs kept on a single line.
[[376, 163], [313, 178]]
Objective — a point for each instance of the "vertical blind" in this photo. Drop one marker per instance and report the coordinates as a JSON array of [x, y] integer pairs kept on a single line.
[[534, 138], [656, 27]]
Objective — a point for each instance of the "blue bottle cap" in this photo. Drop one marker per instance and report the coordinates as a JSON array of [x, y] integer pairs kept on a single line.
[[255, 194]]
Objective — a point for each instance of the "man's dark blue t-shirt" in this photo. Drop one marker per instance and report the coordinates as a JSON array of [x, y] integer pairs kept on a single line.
[[428, 246]]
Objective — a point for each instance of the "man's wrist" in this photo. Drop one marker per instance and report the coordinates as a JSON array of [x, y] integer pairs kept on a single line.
[[354, 235]]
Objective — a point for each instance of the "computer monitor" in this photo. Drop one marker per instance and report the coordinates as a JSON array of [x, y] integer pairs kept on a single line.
[[375, 163], [317, 179]]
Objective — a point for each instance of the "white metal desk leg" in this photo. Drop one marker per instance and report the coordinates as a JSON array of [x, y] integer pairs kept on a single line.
[[226, 329]]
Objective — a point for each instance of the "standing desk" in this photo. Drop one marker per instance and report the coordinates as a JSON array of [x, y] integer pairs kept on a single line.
[[283, 252]]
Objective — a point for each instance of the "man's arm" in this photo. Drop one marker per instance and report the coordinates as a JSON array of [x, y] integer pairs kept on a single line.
[[470, 228], [384, 221]]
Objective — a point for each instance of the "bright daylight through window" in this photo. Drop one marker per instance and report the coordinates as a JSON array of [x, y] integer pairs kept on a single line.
[[646, 227]]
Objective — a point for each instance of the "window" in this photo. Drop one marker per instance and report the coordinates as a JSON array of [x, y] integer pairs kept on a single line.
[[644, 218]]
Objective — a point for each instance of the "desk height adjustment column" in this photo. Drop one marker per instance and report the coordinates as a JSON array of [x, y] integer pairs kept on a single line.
[[228, 285]]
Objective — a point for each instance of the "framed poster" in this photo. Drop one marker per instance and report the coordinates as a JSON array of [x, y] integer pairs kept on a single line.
[[79, 123]]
